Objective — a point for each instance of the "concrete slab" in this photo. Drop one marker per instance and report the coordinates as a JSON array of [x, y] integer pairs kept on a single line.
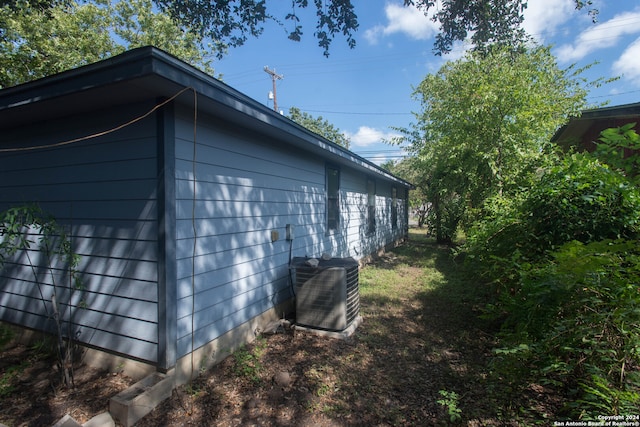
[[138, 400], [342, 335]]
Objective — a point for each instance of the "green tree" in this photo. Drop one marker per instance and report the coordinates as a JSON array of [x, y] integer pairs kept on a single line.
[[231, 22], [46, 250], [489, 22], [484, 126], [320, 126], [38, 43], [35, 43], [137, 24]]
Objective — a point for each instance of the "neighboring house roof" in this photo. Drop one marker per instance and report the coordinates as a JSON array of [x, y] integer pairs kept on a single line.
[[150, 73], [583, 130]]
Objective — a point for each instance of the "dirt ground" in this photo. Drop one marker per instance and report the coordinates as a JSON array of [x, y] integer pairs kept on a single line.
[[31, 393], [416, 360]]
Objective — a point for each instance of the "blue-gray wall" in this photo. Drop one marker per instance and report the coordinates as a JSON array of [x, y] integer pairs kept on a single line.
[[103, 191], [159, 271], [248, 185]]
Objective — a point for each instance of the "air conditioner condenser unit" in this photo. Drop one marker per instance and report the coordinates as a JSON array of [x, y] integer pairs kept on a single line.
[[327, 295]]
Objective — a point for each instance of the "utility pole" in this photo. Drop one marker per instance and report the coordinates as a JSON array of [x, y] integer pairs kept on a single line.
[[274, 77]]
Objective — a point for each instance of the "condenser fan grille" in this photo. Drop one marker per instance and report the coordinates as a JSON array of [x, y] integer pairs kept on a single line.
[[327, 296]]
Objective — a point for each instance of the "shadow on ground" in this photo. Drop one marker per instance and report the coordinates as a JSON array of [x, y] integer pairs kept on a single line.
[[419, 358]]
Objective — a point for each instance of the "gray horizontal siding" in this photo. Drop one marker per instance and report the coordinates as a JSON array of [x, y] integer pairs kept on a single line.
[[357, 237], [103, 191], [246, 187]]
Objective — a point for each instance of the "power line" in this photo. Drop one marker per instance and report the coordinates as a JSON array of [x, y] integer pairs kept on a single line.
[[380, 152], [613, 94], [358, 113], [349, 63]]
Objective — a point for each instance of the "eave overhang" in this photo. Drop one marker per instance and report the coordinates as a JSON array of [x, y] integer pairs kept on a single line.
[[150, 74], [578, 126]]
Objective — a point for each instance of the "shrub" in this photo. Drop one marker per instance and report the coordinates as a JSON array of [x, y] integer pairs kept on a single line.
[[580, 317], [564, 256], [578, 199], [620, 148], [26, 229]]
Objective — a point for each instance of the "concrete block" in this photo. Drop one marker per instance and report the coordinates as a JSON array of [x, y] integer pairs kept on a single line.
[[67, 421], [138, 400], [101, 420]]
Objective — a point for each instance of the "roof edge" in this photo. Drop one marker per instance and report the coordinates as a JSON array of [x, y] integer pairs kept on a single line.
[[149, 60]]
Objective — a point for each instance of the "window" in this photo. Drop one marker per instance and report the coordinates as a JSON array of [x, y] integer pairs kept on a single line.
[[333, 197], [371, 206], [394, 208]]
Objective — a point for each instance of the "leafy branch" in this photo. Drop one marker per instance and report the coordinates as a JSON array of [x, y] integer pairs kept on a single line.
[[27, 229]]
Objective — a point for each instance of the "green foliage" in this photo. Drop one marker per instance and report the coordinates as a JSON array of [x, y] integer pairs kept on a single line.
[[234, 21], [14, 373], [8, 378], [564, 255], [577, 199], [581, 200], [20, 225], [6, 335], [320, 126], [35, 43], [620, 148], [489, 123], [601, 397], [136, 23], [248, 362], [447, 210], [231, 22], [450, 401], [484, 128], [27, 229], [228, 23], [410, 169], [580, 314], [487, 23]]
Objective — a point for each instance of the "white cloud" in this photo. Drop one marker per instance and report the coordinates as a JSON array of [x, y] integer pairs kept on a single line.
[[407, 20], [543, 17], [366, 136], [600, 36], [458, 50], [629, 63]]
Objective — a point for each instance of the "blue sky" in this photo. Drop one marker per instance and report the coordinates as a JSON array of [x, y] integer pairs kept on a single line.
[[366, 91]]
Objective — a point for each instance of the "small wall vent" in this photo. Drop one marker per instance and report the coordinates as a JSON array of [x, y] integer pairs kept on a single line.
[[327, 296]]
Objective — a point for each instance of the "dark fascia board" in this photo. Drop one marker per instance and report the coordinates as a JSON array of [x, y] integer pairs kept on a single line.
[[113, 70], [592, 115], [150, 73], [625, 110]]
